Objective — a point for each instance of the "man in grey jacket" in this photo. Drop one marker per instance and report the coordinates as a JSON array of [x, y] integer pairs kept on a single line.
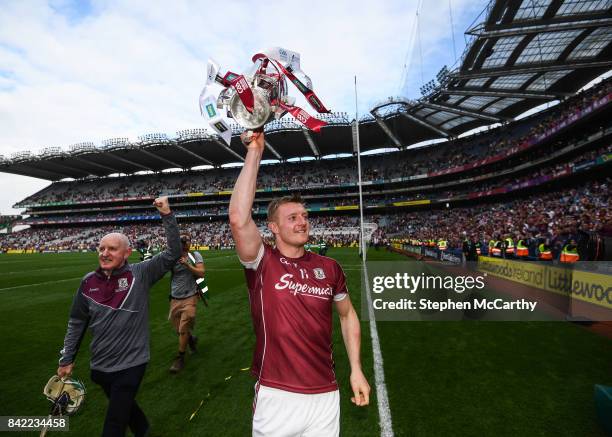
[[113, 302]]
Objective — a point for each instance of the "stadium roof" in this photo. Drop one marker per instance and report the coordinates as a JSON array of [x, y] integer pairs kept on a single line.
[[523, 54]]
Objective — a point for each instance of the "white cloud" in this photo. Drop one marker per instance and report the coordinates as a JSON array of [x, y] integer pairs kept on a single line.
[[129, 68]]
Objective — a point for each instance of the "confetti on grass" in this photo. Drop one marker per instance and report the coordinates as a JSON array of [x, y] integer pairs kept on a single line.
[[208, 395], [197, 409]]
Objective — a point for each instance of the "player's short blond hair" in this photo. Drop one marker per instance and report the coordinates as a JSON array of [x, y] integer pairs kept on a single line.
[[276, 203]]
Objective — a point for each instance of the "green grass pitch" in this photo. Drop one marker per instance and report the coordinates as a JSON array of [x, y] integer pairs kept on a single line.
[[443, 378]]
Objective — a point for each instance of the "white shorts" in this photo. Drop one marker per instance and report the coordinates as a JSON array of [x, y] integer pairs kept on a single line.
[[280, 413]]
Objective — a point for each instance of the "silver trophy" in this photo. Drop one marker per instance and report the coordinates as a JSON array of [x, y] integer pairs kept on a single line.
[[267, 90], [260, 95]]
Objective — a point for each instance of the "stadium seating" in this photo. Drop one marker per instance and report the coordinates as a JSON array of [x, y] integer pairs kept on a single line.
[[542, 178]]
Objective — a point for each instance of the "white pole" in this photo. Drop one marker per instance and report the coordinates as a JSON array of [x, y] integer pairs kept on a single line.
[[362, 240]]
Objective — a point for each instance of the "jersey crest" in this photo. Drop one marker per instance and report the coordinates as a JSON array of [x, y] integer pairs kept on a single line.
[[319, 273]]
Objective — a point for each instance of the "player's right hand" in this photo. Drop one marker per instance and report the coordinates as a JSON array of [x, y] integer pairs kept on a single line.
[[63, 371], [253, 139]]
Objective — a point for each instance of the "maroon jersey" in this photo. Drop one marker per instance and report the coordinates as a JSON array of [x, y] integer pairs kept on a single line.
[[291, 305]]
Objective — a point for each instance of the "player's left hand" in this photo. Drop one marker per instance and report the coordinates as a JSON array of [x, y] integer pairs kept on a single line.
[[361, 389]]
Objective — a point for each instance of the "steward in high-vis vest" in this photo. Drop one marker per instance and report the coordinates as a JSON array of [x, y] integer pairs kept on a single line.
[[322, 247], [522, 251], [145, 250], [442, 244], [187, 286], [509, 246], [491, 246], [544, 252], [478, 247], [497, 249], [569, 253]]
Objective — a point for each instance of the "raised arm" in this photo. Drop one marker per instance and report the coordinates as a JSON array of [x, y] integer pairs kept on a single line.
[[156, 267], [246, 235]]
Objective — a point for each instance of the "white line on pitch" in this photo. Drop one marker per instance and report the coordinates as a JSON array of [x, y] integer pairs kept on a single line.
[[384, 411], [41, 270], [41, 283]]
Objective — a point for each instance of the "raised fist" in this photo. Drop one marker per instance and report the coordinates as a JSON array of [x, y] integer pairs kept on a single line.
[[161, 203]]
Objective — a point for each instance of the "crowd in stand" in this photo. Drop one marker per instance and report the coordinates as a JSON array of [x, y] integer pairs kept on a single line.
[[215, 234], [554, 218], [532, 174], [327, 172], [369, 200]]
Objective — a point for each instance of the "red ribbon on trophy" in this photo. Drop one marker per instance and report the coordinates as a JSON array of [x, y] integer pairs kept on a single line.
[[259, 97]]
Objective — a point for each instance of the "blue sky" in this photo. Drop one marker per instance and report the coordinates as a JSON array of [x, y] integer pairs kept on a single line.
[[74, 71], [73, 10]]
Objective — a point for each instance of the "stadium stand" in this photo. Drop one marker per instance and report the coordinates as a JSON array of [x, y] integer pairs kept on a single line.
[[496, 145], [491, 181], [7, 221], [578, 212]]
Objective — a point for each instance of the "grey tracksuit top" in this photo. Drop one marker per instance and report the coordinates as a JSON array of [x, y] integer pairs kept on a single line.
[[116, 309]]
